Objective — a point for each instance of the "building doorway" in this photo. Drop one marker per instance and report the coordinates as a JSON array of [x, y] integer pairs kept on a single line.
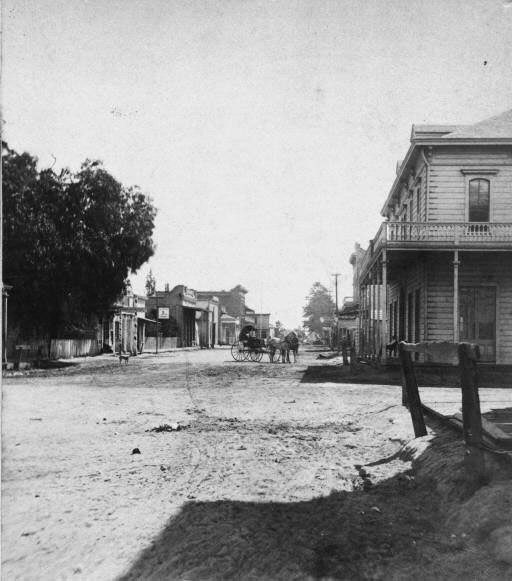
[[478, 319]]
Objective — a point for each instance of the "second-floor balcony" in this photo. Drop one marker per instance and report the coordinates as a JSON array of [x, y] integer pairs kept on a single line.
[[439, 235], [442, 233]]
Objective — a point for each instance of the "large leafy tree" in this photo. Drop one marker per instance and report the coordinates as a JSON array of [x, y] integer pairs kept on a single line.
[[319, 308], [70, 241]]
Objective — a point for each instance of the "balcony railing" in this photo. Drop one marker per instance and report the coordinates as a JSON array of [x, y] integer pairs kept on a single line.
[[435, 234], [455, 232]]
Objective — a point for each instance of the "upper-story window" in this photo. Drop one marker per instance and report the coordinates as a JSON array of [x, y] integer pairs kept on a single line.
[[418, 202], [479, 200]]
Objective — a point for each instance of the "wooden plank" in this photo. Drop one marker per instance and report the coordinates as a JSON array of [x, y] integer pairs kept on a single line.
[[411, 389], [471, 416], [440, 351]]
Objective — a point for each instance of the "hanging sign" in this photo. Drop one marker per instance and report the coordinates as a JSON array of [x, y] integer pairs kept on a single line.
[[163, 312]]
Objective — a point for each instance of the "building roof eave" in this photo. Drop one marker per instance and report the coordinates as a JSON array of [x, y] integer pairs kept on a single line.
[[437, 141], [398, 178]]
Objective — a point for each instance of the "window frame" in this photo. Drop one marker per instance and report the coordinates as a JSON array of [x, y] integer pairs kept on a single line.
[[487, 174], [476, 208]]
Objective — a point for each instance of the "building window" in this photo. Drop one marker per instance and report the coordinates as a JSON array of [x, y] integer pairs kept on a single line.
[[479, 200]]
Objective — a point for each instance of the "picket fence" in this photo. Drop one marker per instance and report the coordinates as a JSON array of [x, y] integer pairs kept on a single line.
[[69, 348], [164, 344]]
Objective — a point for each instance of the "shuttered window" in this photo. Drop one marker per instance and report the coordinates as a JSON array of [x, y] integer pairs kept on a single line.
[[479, 200]]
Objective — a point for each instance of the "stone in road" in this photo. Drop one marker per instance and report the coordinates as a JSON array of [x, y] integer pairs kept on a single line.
[[254, 473]]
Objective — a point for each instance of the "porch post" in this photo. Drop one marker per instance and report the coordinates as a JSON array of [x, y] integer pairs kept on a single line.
[[378, 316], [364, 318], [361, 318], [4, 326], [384, 336], [456, 264], [372, 310], [368, 301]]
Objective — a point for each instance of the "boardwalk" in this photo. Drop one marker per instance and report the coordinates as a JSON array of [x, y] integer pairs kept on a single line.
[[495, 405]]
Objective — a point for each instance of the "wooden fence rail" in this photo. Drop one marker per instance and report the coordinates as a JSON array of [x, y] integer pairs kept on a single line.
[[467, 356]]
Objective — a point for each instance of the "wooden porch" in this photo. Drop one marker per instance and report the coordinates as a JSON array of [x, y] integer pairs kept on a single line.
[[400, 246], [495, 406], [483, 414]]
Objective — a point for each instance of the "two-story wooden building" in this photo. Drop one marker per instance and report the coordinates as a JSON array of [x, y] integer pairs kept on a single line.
[[182, 315], [125, 329], [440, 266], [233, 312]]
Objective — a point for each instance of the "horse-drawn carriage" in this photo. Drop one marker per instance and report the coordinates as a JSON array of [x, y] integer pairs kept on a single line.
[[251, 348], [248, 347]]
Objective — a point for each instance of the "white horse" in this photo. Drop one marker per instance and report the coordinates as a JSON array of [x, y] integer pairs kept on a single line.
[[276, 344]]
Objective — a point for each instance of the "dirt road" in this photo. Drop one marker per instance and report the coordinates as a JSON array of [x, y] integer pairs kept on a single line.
[[255, 474]]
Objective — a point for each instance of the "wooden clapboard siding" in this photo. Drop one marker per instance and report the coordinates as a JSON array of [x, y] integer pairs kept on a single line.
[[412, 280], [472, 154], [501, 195], [493, 269], [439, 282], [448, 185], [475, 269]]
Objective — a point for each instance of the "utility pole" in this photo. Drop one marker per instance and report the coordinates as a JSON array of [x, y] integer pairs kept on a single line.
[[157, 322], [336, 333], [336, 274]]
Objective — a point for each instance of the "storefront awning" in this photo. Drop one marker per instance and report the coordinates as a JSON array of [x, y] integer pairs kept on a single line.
[[141, 318], [228, 319]]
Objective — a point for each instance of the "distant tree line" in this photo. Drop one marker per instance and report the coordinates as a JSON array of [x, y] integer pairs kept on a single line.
[[319, 308], [69, 242]]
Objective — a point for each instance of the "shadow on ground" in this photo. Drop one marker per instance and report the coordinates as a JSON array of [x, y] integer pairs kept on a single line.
[[343, 374], [431, 375], [393, 529]]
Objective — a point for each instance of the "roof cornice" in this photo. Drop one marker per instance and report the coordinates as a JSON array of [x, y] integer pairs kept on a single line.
[[436, 141], [464, 140], [399, 177]]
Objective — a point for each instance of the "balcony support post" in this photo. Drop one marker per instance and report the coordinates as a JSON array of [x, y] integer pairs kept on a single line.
[[366, 318], [379, 310], [365, 313], [372, 312], [384, 334], [361, 319], [456, 264]]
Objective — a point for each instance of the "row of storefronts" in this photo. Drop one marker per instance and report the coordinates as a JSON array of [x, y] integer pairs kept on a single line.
[[180, 317]]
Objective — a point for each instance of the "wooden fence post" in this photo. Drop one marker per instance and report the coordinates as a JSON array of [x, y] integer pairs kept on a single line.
[[471, 415], [411, 390], [344, 354]]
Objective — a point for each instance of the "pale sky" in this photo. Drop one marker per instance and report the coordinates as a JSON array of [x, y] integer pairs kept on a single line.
[[266, 132]]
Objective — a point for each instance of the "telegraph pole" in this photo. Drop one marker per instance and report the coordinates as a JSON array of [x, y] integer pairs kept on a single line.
[[336, 274], [157, 323], [336, 336]]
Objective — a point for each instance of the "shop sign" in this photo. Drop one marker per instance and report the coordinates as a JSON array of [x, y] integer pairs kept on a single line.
[[163, 312]]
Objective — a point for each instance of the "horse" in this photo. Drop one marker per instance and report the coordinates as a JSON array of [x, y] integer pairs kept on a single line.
[[293, 342], [275, 344]]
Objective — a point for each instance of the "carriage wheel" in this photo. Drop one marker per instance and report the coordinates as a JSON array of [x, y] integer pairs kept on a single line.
[[238, 351], [256, 356]]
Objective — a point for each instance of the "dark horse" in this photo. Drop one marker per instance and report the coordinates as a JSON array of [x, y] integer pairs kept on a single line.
[[284, 346], [293, 342]]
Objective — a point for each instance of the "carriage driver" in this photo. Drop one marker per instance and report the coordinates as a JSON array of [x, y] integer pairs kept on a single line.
[[249, 334]]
